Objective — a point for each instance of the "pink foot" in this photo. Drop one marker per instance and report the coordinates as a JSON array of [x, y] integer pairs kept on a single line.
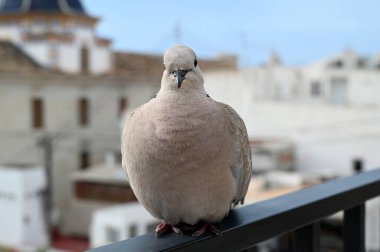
[[165, 227], [207, 226]]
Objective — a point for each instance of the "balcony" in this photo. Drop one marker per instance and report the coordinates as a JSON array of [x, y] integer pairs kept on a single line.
[[299, 213]]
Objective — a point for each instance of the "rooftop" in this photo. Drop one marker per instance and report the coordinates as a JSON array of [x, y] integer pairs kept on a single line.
[[15, 60], [129, 63], [36, 6]]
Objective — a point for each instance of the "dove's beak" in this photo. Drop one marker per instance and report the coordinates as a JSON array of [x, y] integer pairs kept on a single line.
[[179, 74]]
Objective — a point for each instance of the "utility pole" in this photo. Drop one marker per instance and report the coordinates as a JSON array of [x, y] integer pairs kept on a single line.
[[178, 33], [45, 143]]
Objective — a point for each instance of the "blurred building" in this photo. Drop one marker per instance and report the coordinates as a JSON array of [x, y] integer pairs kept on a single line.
[[330, 109], [57, 34], [272, 155], [120, 222], [22, 218], [59, 80], [102, 185], [346, 78], [80, 113]]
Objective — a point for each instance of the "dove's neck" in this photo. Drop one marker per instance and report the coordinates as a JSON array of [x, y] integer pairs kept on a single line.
[[184, 90]]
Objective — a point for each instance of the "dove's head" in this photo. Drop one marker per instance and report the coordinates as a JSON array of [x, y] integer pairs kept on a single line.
[[181, 70]]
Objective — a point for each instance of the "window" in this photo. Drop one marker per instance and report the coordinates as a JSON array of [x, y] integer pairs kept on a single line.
[[84, 60], [37, 113], [361, 63], [338, 90], [112, 234], [132, 231], [123, 104], [84, 160], [337, 64], [315, 88], [83, 112]]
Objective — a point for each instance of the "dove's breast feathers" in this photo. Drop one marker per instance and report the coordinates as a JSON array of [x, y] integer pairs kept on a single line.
[[181, 158]]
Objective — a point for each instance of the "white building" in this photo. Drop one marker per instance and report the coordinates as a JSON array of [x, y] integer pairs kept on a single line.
[[346, 78], [55, 81], [120, 222], [330, 109], [80, 113], [57, 34], [22, 219], [101, 186]]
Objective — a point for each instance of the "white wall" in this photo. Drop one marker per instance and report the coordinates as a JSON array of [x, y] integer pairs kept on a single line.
[[228, 86], [365, 87], [39, 51], [327, 137], [11, 208], [84, 35], [10, 32], [34, 233], [69, 60], [12, 97], [21, 217], [61, 95], [101, 60]]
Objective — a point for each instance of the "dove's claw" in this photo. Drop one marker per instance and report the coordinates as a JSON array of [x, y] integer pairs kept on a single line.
[[176, 230], [164, 227], [209, 227], [214, 230]]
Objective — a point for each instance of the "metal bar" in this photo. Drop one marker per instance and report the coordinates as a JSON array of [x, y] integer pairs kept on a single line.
[[354, 229], [307, 238], [252, 249], [250, 225]]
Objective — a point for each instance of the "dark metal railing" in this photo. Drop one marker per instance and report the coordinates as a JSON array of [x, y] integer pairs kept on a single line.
[[299, 212]]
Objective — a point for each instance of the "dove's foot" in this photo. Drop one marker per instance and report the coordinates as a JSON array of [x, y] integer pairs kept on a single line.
[[207, 226], [165, 227]]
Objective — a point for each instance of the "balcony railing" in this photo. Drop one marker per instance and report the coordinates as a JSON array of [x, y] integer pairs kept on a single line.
[[300, 213]]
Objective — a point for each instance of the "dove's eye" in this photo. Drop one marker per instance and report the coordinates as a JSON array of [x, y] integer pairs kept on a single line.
[[195, 63]]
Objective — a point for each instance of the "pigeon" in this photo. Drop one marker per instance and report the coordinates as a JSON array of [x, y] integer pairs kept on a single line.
[[187, 157]]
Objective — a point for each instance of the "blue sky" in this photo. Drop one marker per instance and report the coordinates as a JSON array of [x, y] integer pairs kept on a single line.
[[300, 31]]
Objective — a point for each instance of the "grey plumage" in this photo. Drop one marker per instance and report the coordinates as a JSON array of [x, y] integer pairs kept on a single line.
[[187, 156]]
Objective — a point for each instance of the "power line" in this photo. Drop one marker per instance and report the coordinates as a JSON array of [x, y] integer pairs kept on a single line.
[[335, 126], [64, 131], [71, 123]]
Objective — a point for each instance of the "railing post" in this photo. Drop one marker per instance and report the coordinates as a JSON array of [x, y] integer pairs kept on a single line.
[[357, 165], [307, 238], [354, 229]]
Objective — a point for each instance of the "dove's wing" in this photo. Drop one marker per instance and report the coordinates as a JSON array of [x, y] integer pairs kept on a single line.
[[241, 163], [126, 131]]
